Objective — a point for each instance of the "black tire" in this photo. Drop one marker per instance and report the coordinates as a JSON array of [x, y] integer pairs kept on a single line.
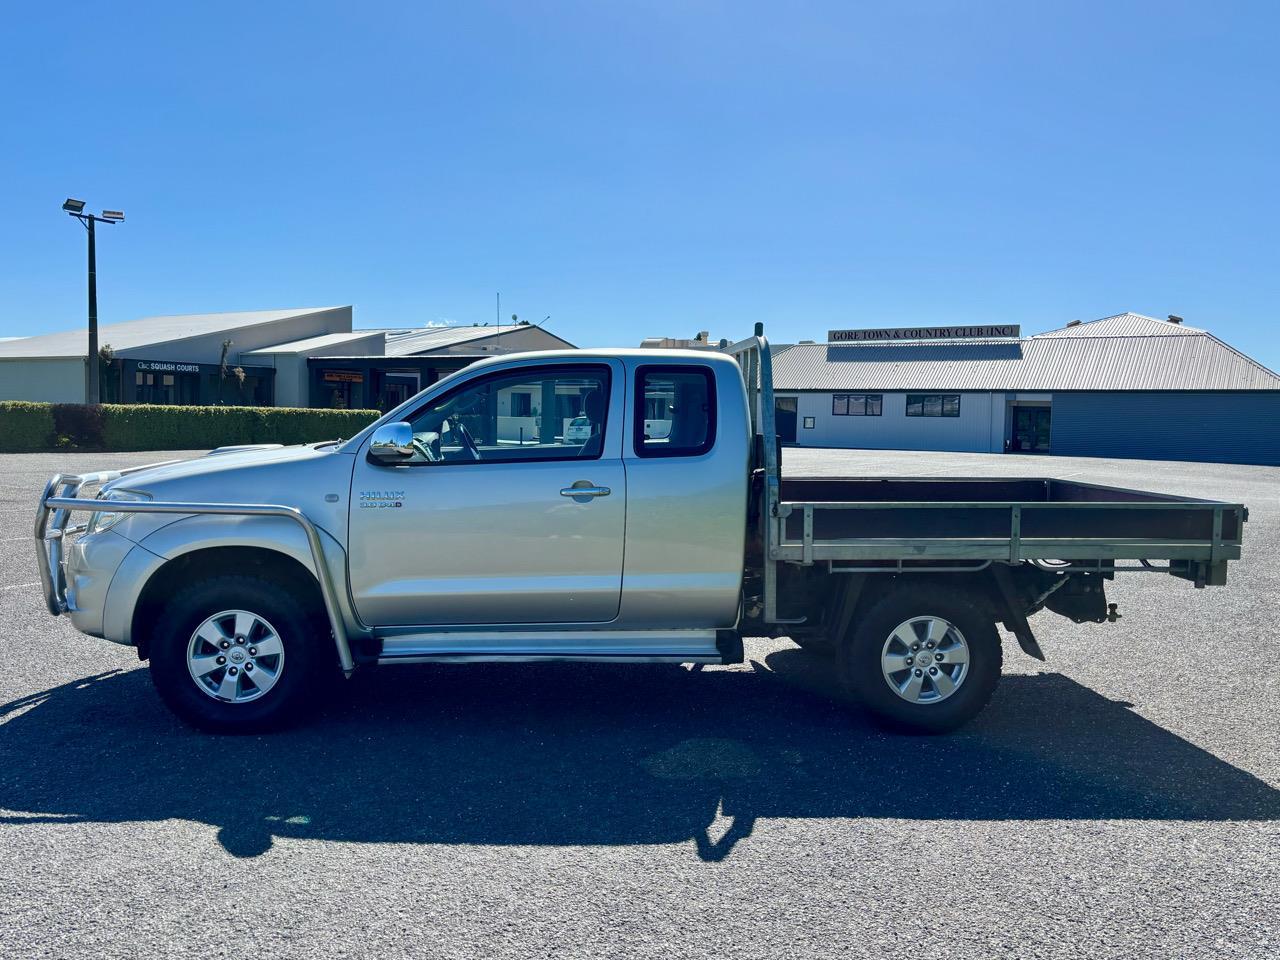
[[860, 655], [815, 643], [302, 634]]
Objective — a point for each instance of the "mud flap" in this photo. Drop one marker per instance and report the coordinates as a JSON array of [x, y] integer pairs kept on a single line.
[[849, 598], [1014, 619], [729, 645]]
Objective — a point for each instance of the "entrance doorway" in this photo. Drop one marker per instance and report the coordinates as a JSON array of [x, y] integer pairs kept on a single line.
[[785, 410], [396, 389], [167, 388], [1030, 430]]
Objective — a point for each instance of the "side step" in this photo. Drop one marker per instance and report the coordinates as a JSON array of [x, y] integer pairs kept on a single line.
[[487, 645]]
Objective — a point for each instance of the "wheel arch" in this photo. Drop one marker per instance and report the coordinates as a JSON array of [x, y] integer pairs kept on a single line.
[[850, 595], [271, 565]]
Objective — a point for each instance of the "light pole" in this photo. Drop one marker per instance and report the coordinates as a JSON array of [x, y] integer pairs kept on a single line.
[[75, 208]]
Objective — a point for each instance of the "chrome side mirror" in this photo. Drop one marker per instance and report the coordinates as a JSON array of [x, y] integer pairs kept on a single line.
[[392, 443]]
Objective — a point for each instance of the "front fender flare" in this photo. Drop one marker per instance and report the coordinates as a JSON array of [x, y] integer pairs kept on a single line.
[[204, 532]]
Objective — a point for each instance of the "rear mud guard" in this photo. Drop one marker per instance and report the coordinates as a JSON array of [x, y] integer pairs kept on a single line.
[[1014, 619]]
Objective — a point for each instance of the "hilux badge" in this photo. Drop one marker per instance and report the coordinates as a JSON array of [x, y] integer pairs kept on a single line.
[[381, 499]]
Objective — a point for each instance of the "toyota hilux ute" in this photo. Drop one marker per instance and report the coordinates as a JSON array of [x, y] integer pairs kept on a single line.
[[619, 505]]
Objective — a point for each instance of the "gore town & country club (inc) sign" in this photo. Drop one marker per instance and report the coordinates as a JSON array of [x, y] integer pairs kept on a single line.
[[926, 333]]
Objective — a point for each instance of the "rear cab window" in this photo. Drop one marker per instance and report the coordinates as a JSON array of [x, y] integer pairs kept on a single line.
[[675, 411]]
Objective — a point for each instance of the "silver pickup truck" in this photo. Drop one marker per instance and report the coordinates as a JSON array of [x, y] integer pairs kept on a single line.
[[621, 505]]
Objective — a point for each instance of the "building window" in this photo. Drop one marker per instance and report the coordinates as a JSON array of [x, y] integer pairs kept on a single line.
[[933, 404], [809, 422], [522, 404], [165, 388], [857, 404]]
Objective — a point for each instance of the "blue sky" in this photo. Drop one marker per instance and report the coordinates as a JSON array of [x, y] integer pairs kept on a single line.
[[649, 169]]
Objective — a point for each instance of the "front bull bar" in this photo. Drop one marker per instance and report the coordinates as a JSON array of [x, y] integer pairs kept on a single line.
[[60, 499]]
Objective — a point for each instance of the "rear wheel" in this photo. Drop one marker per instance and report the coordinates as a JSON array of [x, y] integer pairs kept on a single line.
[[924, 660], [236, 654]]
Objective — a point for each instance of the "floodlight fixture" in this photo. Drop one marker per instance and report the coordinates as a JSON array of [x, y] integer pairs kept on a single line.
[[92, 390]]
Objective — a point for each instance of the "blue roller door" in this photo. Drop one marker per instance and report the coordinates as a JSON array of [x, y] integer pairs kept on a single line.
[[1215, 427]]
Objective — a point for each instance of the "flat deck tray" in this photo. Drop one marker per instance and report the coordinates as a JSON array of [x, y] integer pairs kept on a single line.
[[910, 508]]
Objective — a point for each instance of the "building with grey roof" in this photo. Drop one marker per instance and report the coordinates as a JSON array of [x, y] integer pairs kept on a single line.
[[170, 359], [296, 358], [1122, 386], [483, 340], [412, 358]]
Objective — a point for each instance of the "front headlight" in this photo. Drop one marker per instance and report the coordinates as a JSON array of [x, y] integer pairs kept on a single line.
[[107, 520]]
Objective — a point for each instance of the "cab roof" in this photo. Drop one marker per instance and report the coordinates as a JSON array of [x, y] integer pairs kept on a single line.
[[655, 355]]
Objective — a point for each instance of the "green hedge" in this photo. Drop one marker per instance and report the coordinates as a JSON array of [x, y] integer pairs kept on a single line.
[[25, 426], [43, 426]]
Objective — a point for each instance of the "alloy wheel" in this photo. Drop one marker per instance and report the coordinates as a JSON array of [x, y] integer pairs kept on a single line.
[[235, 656], [925, 659]]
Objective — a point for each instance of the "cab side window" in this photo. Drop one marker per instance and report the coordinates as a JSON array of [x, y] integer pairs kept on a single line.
[[541, 413], [675, 411]]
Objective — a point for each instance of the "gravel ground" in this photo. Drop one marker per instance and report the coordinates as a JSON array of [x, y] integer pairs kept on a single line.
[[1121, 800]]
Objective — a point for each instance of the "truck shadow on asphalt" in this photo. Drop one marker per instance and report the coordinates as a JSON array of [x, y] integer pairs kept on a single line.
[[587, 754]]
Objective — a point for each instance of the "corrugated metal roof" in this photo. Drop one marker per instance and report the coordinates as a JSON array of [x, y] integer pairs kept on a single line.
[[404, 342], [1124, 325], [146, 332], [317, 343], [1199, 362]]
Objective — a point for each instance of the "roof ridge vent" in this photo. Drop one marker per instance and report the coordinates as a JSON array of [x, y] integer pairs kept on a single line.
[[1174, 318], [1074, 323]]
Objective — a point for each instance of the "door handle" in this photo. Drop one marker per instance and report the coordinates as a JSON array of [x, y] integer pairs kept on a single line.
[[584, 489]]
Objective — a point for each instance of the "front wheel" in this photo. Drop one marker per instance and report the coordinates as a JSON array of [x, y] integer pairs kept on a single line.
[[236, 654], [926, 661]]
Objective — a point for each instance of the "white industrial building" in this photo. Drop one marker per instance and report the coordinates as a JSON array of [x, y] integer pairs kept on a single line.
[[1123, 386]]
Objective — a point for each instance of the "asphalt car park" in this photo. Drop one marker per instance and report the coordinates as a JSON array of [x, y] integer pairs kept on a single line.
[[1120, 800]]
